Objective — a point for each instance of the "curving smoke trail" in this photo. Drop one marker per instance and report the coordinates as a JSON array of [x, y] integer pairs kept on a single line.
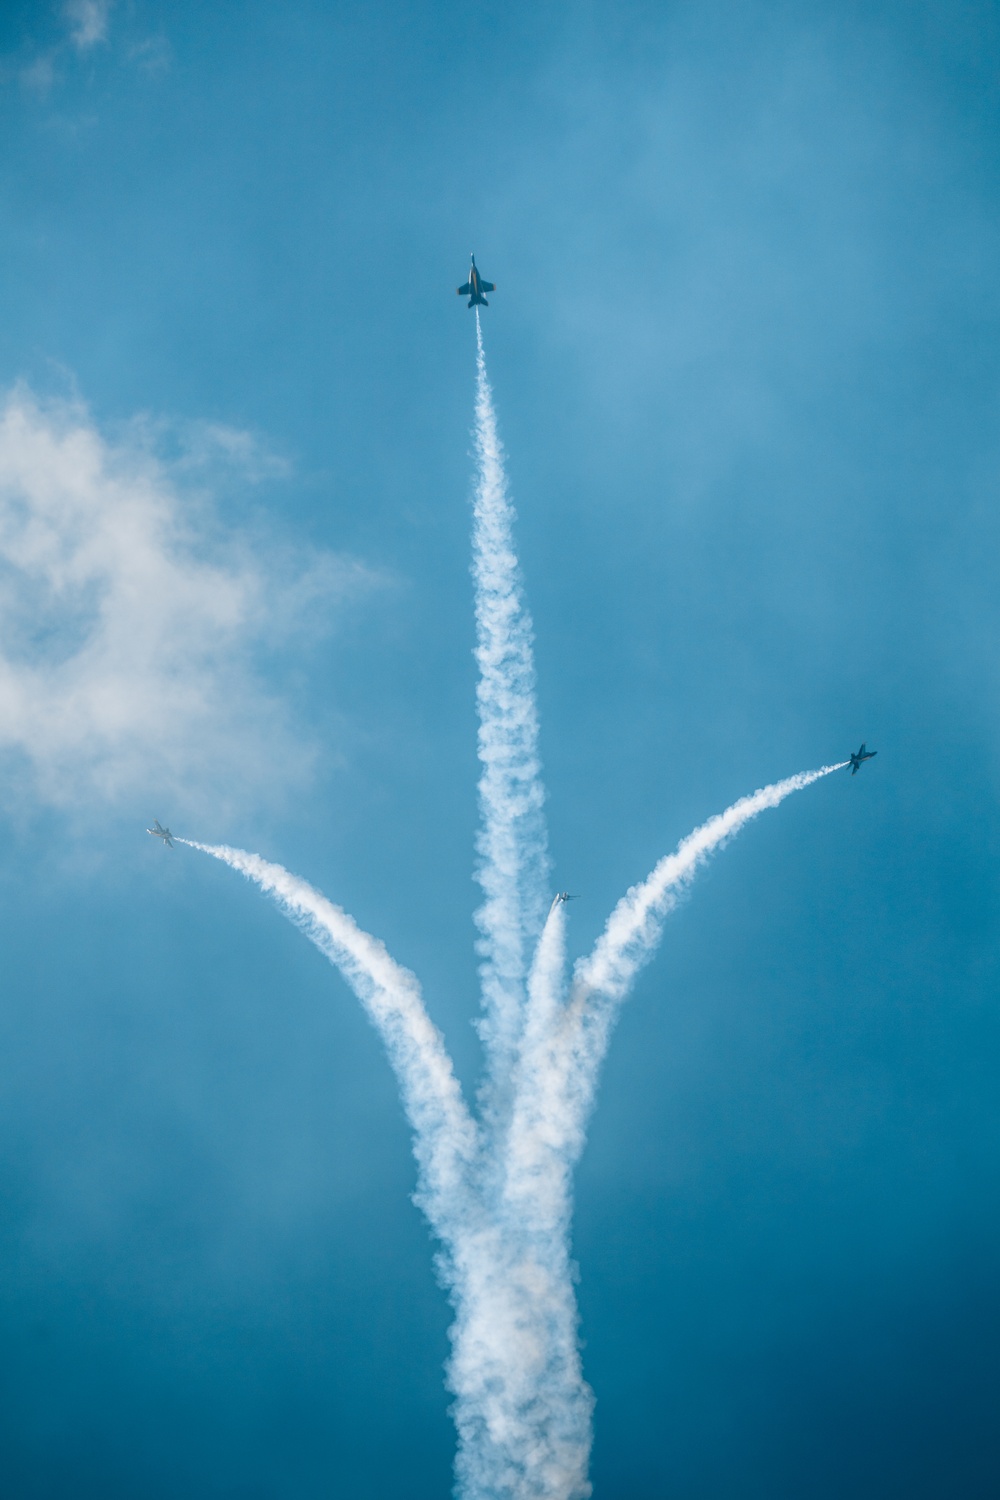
[[512, 843], [498, 1194], [634, 927], [445, 1137], [564, 1059]]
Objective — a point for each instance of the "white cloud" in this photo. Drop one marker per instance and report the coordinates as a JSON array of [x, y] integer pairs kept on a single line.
[[206, 444], [88, 21], [132, 628], [153, 54], [39, 74]]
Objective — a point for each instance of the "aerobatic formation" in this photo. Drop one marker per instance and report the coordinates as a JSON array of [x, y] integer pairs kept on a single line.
[[495, 1181]]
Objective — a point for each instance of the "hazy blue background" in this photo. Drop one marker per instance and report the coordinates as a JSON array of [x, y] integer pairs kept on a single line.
[[746, 358]]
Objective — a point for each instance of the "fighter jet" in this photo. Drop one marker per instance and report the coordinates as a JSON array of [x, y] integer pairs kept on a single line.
[[161, 833], [475, 287], [862, 754], [562, 896]]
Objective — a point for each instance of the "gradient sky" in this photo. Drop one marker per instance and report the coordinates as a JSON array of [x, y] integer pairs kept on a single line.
[[747, 368]]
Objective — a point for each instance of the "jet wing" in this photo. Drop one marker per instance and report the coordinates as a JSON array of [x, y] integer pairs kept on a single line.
[[487, 286], [466, 290]]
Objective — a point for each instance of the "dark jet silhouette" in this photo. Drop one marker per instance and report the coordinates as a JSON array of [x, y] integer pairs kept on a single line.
[[161, 833], [862, 754], [475, 287]]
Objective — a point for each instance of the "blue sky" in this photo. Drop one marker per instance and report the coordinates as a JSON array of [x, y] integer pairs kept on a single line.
[[744, 349]]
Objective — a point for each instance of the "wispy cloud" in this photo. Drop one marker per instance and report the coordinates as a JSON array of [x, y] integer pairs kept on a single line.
[[88, 22], [58, 43], [133, 627], [39, 75], [205, 445], [152, 54]]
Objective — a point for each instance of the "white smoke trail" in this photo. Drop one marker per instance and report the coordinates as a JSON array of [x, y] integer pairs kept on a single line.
[[515, 1358], [602, 981], [536, 1185], [562, 1048], [499, 1196], [513, 863], [446, 1138], [634, 927], [550, 1406], [523, 1409]]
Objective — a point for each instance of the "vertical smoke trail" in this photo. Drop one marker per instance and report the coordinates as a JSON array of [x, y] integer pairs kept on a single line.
[[523, 1412], [513, 863], [536, 1186], [446, 1139], [535, 1208]]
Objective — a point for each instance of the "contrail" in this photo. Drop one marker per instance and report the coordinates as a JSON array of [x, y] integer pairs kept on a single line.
[[497, 1192], [512, 844]]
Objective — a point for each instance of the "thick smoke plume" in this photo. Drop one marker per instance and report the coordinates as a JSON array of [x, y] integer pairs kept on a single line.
[[497, 1191]]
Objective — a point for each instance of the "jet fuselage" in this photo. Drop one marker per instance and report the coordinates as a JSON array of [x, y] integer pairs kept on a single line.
[[859, 757], [475, 287]]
